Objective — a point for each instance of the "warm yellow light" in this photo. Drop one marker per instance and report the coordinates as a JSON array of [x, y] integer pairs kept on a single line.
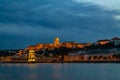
[[31, 60]]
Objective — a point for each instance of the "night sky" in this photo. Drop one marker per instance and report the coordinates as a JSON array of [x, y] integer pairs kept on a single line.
[[28, 22]]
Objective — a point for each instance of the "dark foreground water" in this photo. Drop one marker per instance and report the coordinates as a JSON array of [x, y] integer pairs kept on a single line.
[[60, 71]]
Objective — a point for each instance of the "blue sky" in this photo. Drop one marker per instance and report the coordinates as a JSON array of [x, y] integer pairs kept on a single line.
[[28, 22]]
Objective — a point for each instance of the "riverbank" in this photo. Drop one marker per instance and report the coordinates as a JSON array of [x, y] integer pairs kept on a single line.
[[83, 61]]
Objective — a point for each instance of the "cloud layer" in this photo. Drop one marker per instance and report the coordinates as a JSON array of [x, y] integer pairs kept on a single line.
[[33, 21]]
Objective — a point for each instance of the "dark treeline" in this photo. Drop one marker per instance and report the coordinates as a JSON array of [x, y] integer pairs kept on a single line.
[[57, 51], [6, 53], [109, 45]]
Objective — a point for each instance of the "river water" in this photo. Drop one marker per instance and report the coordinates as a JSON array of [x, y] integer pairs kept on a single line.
[[60, 71]]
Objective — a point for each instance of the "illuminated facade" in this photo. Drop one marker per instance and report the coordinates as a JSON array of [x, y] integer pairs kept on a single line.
[[69, 44], [102, 42], [20, 53], [82, 45], [31, 56], [56, 42]]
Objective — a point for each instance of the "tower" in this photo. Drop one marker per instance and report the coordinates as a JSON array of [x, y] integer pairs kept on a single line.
[[31, 56], [56, 41]]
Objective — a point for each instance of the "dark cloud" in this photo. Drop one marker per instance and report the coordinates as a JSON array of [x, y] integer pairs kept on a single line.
[[51, 13], [42, 20]]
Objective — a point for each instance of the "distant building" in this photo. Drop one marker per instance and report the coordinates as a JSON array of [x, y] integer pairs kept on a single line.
[[75, 45], [31, 47], [102, 42], [20, 53], [41, 46], [69, 44], [82, 45], [116, 40]]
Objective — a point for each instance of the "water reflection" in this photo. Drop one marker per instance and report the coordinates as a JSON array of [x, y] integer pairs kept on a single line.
[[32, 65], [49, 71], [31, 77], [56, 73]]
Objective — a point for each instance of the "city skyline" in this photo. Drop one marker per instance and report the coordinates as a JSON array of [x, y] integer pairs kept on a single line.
[[23, 23]]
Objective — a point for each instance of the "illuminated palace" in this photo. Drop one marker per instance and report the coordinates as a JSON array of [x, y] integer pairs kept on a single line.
[[57, 44]]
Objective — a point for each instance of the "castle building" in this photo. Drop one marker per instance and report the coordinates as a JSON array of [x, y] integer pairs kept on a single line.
[[70, 44], [103, 42], [56, 42]]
